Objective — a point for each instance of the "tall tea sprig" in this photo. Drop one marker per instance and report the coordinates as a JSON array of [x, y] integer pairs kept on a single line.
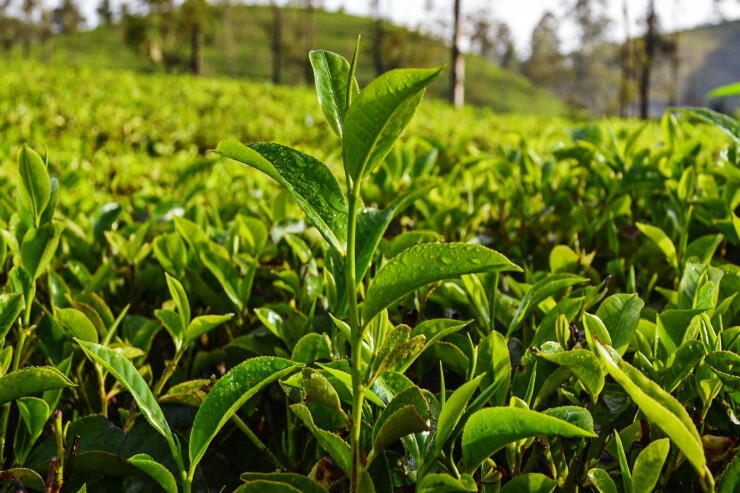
[[368, 123]]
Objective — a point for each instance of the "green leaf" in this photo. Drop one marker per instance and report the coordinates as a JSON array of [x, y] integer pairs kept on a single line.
[[402, 356], [34, 413], [312, 347], [727, 124], [726, 365], [27, 477], [621, 314], [331, 74], [730, 479], [378, 115], [531, 483], [263, 485], [228, 394], [155, 470], [543, 289], [302, 483], [11, 306], [453, 410], [225, 272], [372, 224], [646, 471], [444, 483], [128, 376], [308, 180], [204, 324], [657, 236], [659, 406], [422, 264], [170, 251], [681, 363], [34, 185], [407, 413], [490, 429], [172, 322], [333, 444], [30, 381], [180, 298], [77, 324], [726, 90], [601, 480], [38, 248], [584, 365]]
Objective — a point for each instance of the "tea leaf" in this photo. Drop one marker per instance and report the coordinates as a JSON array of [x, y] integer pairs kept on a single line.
[[127, 375], [331, 73], [490, 429], [155, 470], [444, 483], [422, 264], [30, 381], [648, 465], [453, 410], [77, 324], [531, 483], [332, 443], [378, 115], [658, 405], [304, 484], [11, 306], [584, 365], [657, 236], [180, 298], [543, 289], [620, 314], [601, 480], [34, 187], [203, 324], [38, 248], [308, 180], [405, 414], [263, 485], [228, 394]]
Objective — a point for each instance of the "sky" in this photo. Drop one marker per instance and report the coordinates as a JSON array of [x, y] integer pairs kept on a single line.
[[523, 15]]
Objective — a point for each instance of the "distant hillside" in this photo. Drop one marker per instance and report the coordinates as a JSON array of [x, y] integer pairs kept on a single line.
[[238, 45], [708, 57]]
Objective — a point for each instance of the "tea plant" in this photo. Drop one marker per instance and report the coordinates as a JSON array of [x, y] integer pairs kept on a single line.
[[285, 330]]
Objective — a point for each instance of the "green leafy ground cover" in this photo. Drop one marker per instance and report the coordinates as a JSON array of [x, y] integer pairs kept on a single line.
[[539, 304]]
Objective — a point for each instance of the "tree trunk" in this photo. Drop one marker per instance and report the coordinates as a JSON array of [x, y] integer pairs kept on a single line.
[[457, 86], [310, 28], [277, 43], [626, 72], [377, 38], [196, 43], [675, 65], [650, 42]]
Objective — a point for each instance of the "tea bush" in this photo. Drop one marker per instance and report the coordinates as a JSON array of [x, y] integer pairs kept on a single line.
[[487, 304]]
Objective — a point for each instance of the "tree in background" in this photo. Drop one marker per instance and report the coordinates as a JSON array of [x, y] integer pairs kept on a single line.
[[67, 17], [276, 42], [378, 36], [546, 65], [592, 82], [492, 39], [105, 12], [457, 82], [650, 44], [626, 79]]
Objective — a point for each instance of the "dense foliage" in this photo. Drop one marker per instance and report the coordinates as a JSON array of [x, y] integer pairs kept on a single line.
[[190, 319]]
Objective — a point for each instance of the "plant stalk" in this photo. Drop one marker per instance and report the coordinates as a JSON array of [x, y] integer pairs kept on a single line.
[[244, 428], [5, 413], [358, 388]]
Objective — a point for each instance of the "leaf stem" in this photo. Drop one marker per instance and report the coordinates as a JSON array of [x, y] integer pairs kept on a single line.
[[358, 388], [5, 413], [244, 427]]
